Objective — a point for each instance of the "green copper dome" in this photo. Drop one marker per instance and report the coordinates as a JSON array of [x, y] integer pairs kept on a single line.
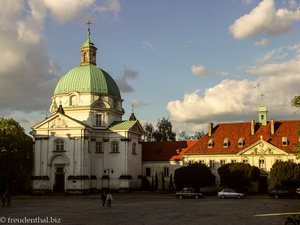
[[87, 79]]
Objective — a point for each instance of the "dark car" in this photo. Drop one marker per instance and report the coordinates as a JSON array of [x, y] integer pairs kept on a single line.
[[188, 192], [285, 193]]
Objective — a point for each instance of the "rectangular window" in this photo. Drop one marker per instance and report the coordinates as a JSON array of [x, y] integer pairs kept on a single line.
[[222, 162], [148, 172], [245, 161], [166, 171], [134, 148], [99, 147], [114, 147], [59, 146], [202, 161], [233, 161]]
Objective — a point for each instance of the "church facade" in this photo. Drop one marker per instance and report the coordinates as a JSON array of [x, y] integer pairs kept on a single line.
[[85, 145]]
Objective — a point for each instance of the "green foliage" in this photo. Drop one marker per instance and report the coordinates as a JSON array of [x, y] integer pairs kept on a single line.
[[15, 156], [182, 136], [285, 175], [149, 129], [296, 101], [164, 131], [196, 175], [238, 175]]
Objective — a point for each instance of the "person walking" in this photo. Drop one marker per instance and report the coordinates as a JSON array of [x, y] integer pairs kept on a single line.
[[109, 198], [3, 199], [103, 198]]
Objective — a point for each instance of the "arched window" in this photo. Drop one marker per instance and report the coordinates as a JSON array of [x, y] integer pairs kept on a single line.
[[211, 143], [114, 146], [72, 100], [59, 145], [226, 143], [85, 57], [241, 142], [98, 120], [261, 163], [284, 141]]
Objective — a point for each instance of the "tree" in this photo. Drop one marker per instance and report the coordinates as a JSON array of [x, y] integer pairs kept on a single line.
[[164, 131], [198, 135], [16, 157], [182, 136], [296, 102], [195, 175], [285, 175], [149, 129], [238, 175]]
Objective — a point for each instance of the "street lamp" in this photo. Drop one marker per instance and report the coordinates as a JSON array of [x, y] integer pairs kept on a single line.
[[108, 171]]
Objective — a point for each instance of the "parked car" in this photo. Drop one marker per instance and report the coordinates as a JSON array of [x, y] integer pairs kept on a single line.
[[230, 193], [285, 193], [188, 192]]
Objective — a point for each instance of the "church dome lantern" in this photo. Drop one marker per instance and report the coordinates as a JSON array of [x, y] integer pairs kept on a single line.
[[87, 77]]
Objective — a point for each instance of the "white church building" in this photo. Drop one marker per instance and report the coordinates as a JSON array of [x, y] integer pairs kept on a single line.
[[85, 145]]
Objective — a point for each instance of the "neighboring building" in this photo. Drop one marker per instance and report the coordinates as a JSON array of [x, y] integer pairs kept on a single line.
[[84, 144], [161, 159], [259, 143]]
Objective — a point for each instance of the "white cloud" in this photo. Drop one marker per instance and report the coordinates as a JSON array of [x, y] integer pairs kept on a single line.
[[264, 19], [28, 75], [200, 70], [233, 100], [66, 10], [109, 6], [262, 42], [147, 45], [139, 103]]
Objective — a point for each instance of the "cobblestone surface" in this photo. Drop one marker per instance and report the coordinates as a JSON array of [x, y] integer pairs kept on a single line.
[[148, 209]]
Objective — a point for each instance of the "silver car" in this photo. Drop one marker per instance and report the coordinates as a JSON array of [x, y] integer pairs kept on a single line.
[[229, 193]]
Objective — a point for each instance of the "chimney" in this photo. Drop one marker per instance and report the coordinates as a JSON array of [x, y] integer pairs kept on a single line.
[[209, 129], [252, 127], [272, 126]]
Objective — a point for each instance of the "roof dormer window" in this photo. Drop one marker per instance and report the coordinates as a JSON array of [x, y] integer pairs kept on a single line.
[[241, 142], [284, 141], [211, 143], [226, 143]]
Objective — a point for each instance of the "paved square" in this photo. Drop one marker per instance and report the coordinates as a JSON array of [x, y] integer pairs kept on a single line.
[[147, 209]]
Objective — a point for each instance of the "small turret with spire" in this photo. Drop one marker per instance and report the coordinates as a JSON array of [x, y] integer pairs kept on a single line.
[[262, 113], [132, 116], [88, 50]]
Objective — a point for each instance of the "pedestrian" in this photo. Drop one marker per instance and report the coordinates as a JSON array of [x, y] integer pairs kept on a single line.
[[103, 198], [109, 198], [8, 199], [3, 199]]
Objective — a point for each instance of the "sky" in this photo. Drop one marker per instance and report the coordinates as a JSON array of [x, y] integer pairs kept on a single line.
[[193, 62]]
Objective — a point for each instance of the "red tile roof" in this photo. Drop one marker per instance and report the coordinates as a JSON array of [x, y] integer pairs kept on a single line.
[[165, 151], [234, 131]]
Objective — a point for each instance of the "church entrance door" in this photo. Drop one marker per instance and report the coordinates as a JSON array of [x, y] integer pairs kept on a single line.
[[59, 185]]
